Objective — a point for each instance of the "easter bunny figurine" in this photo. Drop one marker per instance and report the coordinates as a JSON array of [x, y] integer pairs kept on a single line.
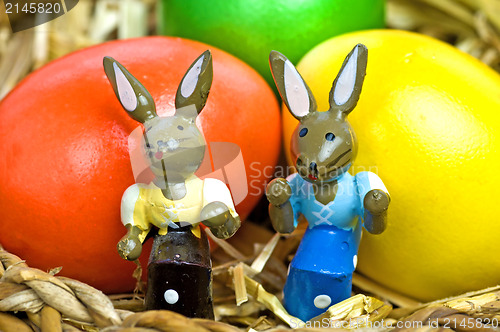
[[333, 201], [176, 201]]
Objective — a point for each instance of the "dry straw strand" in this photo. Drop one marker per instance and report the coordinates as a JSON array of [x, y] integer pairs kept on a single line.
[[12, 323], [50, 320]]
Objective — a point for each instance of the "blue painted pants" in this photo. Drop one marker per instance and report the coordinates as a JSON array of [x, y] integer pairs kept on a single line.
[[321, 272]]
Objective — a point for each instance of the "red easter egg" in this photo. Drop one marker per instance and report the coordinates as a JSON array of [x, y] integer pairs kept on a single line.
[[65, 161]]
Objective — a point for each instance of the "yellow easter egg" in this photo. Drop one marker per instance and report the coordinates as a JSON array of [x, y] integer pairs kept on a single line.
[[428, 123]]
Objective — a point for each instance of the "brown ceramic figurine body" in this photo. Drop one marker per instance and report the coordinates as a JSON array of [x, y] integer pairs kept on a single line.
[[334, 202], [179, 270]]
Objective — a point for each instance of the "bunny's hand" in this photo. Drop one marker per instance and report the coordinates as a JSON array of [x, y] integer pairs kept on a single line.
[[278, 194], [130, 247], [376, 203], [221, 222]]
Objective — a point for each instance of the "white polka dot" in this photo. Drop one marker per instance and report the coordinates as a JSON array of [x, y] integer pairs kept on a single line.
[[322, 301], [171, 296], [355, 260]]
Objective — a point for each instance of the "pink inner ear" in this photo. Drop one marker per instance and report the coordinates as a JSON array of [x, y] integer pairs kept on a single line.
[[191, 79], [346, 81], [295, 91], [126, 93]]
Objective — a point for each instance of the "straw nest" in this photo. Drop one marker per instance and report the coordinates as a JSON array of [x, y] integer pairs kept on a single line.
[[250, 269], [248, 277]]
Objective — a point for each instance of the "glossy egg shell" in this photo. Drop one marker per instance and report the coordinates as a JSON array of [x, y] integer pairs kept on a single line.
[[428, 124], [251, 29], [65, 161]]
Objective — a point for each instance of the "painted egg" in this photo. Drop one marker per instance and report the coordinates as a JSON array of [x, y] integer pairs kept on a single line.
[[64, 142], [251, 29]]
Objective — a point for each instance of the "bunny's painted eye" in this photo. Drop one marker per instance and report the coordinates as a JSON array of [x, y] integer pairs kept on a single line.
[[180, 127], [303, 132], [330, 137]]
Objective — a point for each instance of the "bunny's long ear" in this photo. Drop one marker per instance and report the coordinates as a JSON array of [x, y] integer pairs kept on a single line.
[[133, 96], [291, 86], [347, 85], [195, 86]]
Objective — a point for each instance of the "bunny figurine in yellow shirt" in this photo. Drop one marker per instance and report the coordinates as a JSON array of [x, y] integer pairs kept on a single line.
[[176, 201]]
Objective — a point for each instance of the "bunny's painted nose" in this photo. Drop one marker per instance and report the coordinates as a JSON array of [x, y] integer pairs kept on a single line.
[[313, 168], [172, 144], [158, 155], [168, 146]]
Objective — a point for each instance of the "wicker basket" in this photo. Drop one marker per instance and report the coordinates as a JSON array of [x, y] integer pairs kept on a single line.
[[246, 280]]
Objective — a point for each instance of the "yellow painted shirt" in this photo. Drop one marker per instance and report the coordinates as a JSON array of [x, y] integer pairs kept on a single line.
[[144, 205]]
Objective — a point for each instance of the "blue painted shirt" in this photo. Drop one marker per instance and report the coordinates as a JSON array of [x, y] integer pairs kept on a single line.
[[331, 243]]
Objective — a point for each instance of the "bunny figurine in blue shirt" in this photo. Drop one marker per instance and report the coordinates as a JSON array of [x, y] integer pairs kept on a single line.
[[335, 203]]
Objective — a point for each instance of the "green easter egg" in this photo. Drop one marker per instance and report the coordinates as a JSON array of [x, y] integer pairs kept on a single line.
[[250, 29]]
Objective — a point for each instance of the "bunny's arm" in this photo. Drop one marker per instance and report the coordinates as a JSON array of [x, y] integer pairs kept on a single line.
[[284, 203], [218, 211], [374, 201], [133, 216]]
